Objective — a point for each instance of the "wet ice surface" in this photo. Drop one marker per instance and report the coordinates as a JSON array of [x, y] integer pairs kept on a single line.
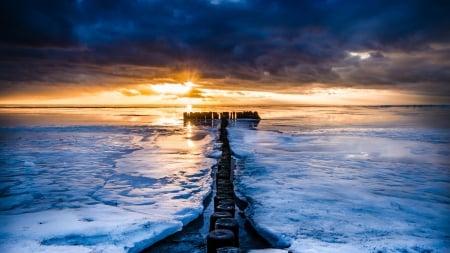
[[100, 188], [345, 188]]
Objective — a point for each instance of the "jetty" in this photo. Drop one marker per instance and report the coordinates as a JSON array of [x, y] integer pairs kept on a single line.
[[220, 115], [222, 227], [226, 230]]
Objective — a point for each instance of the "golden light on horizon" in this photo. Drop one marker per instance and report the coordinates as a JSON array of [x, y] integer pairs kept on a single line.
[[172, 88], [314, 96], [188, 94]]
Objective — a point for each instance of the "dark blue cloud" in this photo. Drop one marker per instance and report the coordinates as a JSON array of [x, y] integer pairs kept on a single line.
[[260, 42], [37, 23]]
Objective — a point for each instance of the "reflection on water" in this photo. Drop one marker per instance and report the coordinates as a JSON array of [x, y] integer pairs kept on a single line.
[[281, 118], [272, 116], [189, 135], [306, 117], [25, 116], [204, 123]]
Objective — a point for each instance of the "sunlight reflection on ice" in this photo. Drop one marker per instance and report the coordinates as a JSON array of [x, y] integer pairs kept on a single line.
[[101, 188]]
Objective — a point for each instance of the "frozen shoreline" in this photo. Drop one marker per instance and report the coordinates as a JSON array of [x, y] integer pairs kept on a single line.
[[108, 189], [344, 191]]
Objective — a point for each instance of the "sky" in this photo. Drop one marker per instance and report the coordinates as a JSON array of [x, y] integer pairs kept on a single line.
[[224, 52]]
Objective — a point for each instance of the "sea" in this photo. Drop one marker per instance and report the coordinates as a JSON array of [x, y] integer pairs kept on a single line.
[[316, 179]]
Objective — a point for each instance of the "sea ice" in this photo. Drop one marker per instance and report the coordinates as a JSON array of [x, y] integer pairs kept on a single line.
[[100, 189], [268, 251], [345, 189]]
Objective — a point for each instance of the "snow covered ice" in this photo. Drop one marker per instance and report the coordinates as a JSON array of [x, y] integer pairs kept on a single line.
[[315, 183], [107, 188], [317, 179]]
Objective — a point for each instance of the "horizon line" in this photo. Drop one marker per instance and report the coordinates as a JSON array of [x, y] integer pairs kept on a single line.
[[206, 105]]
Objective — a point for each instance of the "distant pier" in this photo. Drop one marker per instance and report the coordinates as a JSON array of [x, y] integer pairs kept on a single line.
[[221, 115]]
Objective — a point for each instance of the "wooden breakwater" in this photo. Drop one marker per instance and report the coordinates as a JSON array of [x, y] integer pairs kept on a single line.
[[221, 115], [224, 228]]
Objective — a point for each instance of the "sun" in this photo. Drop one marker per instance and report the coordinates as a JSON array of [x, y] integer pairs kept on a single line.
[[173, 88]]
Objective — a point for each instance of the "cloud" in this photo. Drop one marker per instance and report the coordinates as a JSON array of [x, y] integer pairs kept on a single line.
[[252, 44], [37, 24], [194, 93]]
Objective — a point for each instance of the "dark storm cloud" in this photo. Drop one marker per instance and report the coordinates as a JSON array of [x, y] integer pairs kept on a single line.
[[37, 23], [260, 45]]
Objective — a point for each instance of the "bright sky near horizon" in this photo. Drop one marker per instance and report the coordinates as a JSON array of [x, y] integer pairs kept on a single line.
[[224, 52]]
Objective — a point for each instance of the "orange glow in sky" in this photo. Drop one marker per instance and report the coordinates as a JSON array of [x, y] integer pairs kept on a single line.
[[189, 93], [170, 88], [178, 94]]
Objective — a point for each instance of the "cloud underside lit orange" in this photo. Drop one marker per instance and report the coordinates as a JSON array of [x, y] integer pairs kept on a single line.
[[188, 85]]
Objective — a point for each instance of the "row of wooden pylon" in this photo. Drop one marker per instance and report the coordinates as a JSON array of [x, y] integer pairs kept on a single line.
[[223, 234]]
